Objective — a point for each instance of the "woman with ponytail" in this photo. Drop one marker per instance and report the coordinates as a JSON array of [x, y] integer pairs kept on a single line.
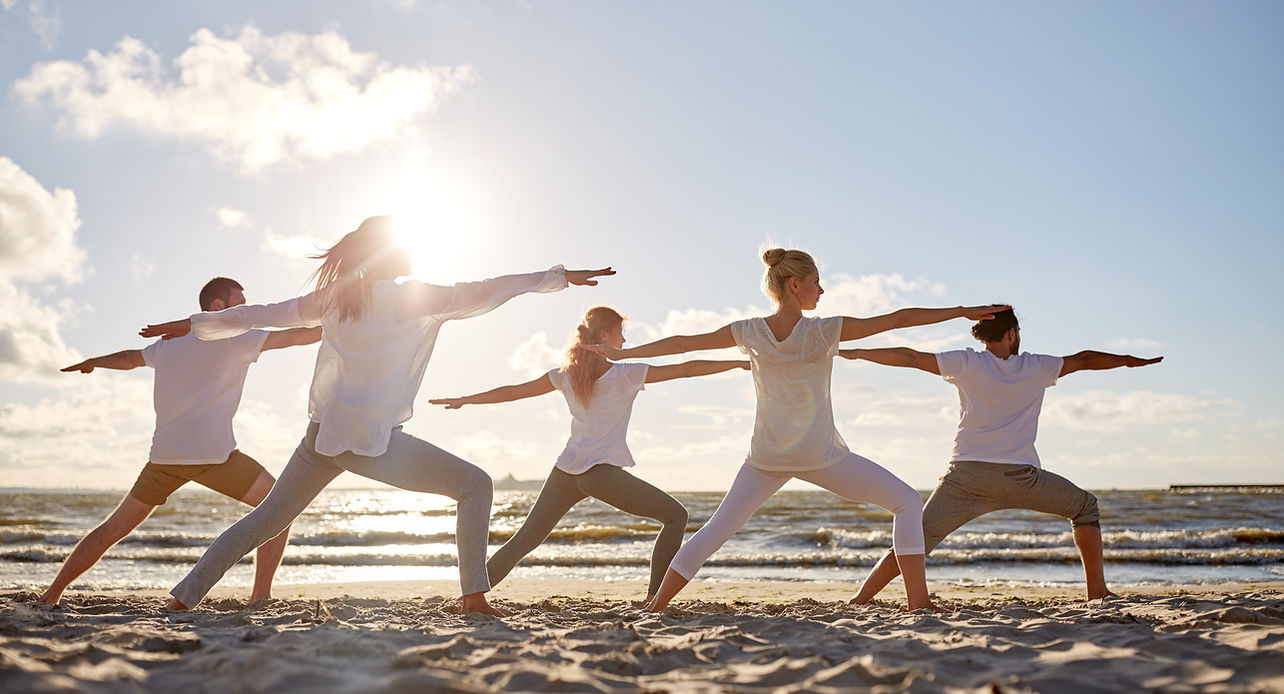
[[377, 336], [794, 434], [600, 397]]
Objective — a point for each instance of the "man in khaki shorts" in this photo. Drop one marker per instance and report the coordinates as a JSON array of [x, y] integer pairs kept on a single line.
[[994, 465], [197, 390]]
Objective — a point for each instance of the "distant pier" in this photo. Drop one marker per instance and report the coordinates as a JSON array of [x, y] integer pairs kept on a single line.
[[1242, 487]]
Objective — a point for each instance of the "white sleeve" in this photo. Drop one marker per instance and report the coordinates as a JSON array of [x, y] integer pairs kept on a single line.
[[301, 312], [831, 329], [951, 364], [468, 299], [739, 333], [1051, 369]]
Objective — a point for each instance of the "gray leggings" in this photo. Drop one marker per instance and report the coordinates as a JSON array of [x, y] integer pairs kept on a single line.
[[409, 463], [608, 483], [972, 489]]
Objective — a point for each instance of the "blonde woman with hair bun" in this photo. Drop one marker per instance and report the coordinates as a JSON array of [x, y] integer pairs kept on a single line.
[[600, 397], [794, 434]]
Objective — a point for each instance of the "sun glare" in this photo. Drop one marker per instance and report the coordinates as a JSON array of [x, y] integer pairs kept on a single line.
[[428, 221]]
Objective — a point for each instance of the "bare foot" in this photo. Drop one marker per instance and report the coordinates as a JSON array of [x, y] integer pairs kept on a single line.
[[1108, 594], [857, 601], [49, 599], [476, 602], [176, 605]]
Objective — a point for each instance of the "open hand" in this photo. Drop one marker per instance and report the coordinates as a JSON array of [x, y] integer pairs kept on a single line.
[[83, 367], [450, 403], [1130, 363], [584, 278], [168, 331], [984, 312]]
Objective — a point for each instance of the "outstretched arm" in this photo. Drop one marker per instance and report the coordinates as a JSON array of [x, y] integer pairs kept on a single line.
[[1089, 360], [468, 299], [304, 311], [677, 344], [895, 356], [529, 389], [291, 338], [856, 328], [123, 360], [696, 367]]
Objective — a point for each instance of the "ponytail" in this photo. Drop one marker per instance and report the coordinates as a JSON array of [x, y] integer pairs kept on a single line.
[[582, 366]]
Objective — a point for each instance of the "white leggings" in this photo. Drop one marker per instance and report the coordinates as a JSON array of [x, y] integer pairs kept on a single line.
[[854, 478]]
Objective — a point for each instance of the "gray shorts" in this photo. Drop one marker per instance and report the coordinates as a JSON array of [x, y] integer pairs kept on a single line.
[[972, 489]]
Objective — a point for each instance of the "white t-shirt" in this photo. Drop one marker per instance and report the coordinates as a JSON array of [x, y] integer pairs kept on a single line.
[[368, 371], [999, 403], [598, 431], [794, 427], [196, 392]]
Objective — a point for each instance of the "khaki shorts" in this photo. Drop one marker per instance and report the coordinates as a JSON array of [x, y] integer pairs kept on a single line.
[[233, 477], [971, 489]]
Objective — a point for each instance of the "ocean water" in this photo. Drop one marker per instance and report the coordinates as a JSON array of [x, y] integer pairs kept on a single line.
[[1151, 536]]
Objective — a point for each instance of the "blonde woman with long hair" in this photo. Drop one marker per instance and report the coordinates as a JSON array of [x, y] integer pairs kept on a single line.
[[600, 397], [377, 337], [794, 434]]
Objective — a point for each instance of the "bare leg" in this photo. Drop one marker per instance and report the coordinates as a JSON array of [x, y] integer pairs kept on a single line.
[[1087, 538], [672, 584], [916, 582], [883, 572], [128, 515], [268, 556]]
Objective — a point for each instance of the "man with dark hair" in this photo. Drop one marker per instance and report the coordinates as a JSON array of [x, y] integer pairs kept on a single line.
[[197, 390], [220, 289], [994, 465]]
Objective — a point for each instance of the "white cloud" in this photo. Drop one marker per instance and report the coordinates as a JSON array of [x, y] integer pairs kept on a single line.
[[292, 246], [1100, 410], [37, 244], [1135, 344], [717, 416], [232, 218], [535, 356], [252, 101], [296, 247], [140, 266], [45, 19], [486, 449], [37, 229], [94, 433]]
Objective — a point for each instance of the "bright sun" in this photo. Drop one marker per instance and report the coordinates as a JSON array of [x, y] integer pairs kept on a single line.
[[427, 219]]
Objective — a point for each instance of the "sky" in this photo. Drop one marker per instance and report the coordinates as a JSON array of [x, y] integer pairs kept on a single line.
[[1112, 169]]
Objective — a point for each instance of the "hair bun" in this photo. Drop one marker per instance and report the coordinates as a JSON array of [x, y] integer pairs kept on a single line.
[[772, 256]]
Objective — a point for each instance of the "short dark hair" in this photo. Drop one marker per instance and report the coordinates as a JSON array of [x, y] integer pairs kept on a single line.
[[218, 288], [994, 329]]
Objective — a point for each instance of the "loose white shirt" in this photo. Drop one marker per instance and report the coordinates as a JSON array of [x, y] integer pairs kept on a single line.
[[999, 403], [598, 431], [794, 426], [369, 370], [196, 392]]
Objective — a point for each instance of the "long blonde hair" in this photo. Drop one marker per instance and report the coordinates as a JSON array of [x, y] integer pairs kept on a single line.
[[344, 278], [584, 367], [781, 265]]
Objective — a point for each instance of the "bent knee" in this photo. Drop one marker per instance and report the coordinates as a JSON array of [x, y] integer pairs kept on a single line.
[[1088, 514], [676, 514]]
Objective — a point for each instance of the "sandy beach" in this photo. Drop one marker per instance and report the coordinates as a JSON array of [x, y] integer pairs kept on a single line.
[[589, 637]]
